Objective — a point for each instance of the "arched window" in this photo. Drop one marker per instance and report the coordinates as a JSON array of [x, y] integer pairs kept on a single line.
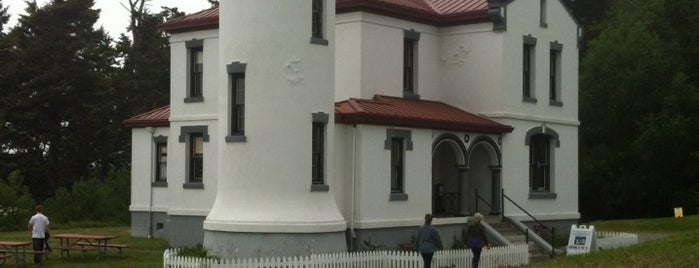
[[542, 142]]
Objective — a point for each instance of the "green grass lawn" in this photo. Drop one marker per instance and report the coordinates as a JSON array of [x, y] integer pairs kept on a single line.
[[679, 249], [142, 252]]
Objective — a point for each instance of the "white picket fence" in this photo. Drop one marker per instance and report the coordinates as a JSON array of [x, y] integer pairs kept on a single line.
[[610, 240], [493, 257]]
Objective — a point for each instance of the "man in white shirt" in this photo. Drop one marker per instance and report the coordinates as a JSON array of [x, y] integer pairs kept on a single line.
[[39, 226]]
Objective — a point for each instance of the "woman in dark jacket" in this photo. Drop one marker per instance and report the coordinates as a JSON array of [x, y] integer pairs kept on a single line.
[[475, 235], [427, 241]]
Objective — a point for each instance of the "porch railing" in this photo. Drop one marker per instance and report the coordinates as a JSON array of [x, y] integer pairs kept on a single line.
[[539, 228]]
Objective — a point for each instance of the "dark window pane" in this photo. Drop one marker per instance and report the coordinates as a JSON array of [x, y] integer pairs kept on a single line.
[[196, 72], [397, 165], [196, 157], [238, 104], [317, 153]]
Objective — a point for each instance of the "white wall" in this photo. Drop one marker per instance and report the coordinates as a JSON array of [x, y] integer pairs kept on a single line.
[[266, 180], [373, 209], [206, 110], [471, 69], [369, 57], [142, 171], [523, 19]]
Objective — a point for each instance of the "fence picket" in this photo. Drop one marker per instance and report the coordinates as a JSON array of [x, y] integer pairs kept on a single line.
[[493, 257]]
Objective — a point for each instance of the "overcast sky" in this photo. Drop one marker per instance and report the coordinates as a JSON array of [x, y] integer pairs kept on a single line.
[[113, 17]]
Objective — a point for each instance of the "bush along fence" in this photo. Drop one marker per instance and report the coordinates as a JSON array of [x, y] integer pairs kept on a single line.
[[459, 258]]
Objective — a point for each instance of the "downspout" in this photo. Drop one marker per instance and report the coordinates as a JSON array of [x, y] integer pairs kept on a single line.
[[354, 178], [151, 179]]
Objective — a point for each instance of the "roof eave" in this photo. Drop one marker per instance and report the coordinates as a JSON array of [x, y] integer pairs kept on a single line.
[[188, 27], [145, 123], [363, 118]]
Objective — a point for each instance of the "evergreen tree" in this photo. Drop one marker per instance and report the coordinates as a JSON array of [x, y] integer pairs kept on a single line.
[[639, 107], [4, 17], [145, 76], [57, 101]]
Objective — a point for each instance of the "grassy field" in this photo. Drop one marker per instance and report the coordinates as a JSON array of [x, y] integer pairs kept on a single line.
[[141, 252], [680, 247]]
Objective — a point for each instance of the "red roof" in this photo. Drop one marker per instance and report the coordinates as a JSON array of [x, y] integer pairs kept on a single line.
[[155, 118], [202, 20], [383, 110], [434, 12]]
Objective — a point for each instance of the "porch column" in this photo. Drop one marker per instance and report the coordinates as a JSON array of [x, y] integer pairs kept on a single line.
[[495, 172], [463, 190]]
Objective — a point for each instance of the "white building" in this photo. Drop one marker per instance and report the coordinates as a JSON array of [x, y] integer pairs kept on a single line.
[[318, 125]]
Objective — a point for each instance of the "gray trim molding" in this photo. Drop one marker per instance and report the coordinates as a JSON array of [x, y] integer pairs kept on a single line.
[[318, 41], [236, 67], [320, 188], [542, 195], [411, 34], [543, 14], [398, 197], [160, 139], [190, 45], [453, 138], [542, 130], [497, 11], [193, 99], [320, 117], [399, 133], [233, 68], [159, 184], [193, 185], [489, 141], [555, 46], [529, 40], [529, 99], [194, 43], [236, 138], [185, 130]]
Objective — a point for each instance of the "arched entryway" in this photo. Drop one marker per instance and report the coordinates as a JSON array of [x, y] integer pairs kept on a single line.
[[483, 175], [448, 162], [457, 173]]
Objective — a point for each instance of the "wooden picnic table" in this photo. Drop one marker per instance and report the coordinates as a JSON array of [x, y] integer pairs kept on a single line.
[[82, 243], [18, 250]]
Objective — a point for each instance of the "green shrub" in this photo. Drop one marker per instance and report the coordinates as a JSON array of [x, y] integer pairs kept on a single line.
[[16, 203], [93, 200], [197, 251]]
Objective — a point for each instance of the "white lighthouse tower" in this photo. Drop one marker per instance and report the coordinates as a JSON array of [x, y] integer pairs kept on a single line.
[[275, 196]]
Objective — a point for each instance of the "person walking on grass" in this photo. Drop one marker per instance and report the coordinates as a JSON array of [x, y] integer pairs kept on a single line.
[[427, 241], [475, 236], [38, 226]]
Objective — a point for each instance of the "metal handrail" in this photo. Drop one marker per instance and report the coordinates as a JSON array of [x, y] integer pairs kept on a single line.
[[479, 197], [553, 238]]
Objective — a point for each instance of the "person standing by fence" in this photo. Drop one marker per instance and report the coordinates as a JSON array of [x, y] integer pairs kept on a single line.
[[476, 239], [428, 240], [39, 226]]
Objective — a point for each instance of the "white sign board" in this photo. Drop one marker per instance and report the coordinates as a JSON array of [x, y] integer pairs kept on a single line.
[[581, 239]]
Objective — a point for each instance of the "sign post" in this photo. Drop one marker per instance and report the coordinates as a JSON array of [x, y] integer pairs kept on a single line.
[[581, 239]]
